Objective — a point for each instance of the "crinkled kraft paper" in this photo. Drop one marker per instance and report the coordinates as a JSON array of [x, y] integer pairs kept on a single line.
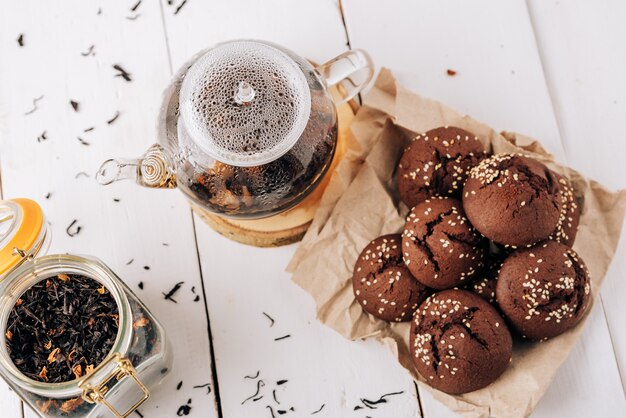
[[361, 203]]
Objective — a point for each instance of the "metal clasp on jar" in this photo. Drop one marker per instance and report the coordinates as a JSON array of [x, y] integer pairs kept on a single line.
[[24, 255], [123, 368]]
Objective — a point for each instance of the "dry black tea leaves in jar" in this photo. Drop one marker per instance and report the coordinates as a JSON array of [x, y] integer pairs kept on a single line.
[[61, 328]]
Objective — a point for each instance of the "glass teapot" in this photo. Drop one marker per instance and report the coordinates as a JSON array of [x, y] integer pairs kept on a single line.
[[247, 129]]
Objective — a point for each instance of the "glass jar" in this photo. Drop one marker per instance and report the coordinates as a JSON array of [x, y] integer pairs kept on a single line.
[[140, 356]]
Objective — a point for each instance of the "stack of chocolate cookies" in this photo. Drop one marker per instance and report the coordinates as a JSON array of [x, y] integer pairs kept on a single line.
[[485, 252]]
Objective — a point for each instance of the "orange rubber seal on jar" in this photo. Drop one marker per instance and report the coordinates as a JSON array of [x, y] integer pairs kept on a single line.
[[25, 236]]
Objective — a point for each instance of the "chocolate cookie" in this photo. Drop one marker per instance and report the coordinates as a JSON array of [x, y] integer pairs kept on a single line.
[[459, 342], [439, 245], [543, 291], [436, 163], [512, 200], [569, 217], [382, 284]]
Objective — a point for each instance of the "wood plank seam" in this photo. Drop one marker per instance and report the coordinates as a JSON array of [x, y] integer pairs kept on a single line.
[[358, 97], [545, 79], [216, 386], [343, 22], [360, 100], [557, 117], [167, 40], [419, 401], [619, 370], [214, 378]]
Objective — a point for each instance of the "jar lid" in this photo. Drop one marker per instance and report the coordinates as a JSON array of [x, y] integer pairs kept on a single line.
[[21, 228], [244, 103]]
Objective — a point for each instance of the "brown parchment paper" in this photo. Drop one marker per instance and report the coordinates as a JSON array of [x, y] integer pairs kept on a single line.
[[361, 203]]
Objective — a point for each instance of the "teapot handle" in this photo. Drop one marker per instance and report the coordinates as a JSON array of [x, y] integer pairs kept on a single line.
[[351, 72]]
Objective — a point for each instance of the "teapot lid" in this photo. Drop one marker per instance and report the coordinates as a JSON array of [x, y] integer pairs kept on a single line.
[[21, 229], [245, 103]]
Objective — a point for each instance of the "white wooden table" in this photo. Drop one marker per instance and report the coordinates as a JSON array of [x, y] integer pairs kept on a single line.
[[551, 69]]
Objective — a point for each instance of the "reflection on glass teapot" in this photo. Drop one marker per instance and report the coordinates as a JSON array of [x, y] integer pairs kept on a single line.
[[250, 128]]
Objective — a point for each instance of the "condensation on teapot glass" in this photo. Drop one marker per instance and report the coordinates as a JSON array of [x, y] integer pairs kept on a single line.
[[264, 117]]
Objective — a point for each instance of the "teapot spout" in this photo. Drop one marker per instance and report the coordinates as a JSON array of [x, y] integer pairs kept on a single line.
[[151, 170]]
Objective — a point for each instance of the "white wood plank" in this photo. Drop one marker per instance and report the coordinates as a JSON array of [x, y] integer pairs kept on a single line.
[[578, 393], [243, 282], [582, 46], [322, 368], [10, 403], [499, 80], [51, 64]]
